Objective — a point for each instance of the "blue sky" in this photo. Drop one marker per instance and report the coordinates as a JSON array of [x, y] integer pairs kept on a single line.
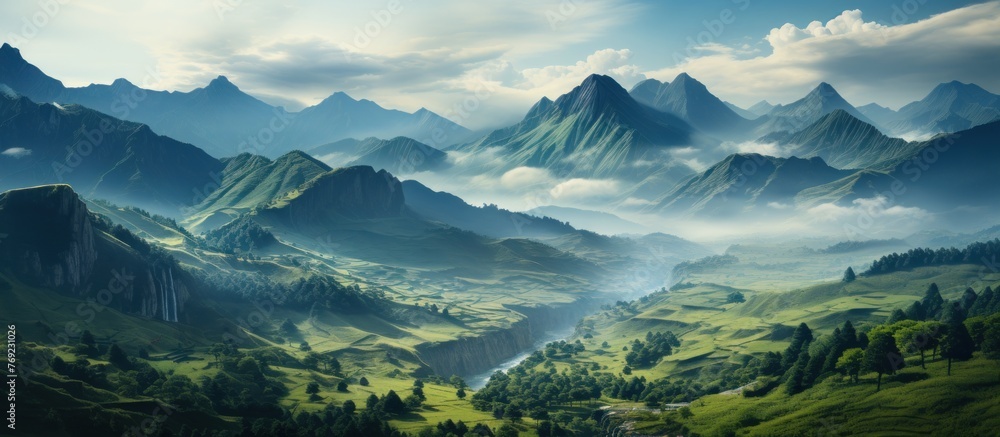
[[498, 57]]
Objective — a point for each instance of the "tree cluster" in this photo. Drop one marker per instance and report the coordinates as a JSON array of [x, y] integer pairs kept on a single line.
[[657, 346], [242, 235], [922, 257]]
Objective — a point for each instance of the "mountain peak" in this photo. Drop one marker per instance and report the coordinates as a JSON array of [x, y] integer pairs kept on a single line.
[[961, 87], [683, 76], [11, 56], [121, 82], [338, 97], [594, 96], [824, 90], [221, 82], [539, 107], [599, 81], [689, 84]]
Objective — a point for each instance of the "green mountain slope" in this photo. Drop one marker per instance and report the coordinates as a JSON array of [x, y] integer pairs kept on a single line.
[[842, 141], [801, 113], [596, 130], [248, 181], [743, 182], [99, 155]]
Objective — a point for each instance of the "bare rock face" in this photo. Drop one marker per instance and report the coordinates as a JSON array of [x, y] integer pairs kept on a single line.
[[50, 238], [51, 241]]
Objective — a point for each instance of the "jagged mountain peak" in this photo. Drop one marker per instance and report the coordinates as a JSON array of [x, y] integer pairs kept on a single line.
[[824, 92], [8, 50], [25, 78], [760, 108], [684, 77], [539, 108], [298, 155], [221, 81], [596, 96]]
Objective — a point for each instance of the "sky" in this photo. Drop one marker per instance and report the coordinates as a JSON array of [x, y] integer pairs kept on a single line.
[[484, 63]]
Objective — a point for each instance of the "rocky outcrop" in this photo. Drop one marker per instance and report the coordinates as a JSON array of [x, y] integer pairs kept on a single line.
[[51, 241], [471, 355], [50, 238]]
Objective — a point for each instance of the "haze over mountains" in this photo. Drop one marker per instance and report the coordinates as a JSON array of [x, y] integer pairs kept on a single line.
[[225, 121], [355, 270], [665, 148]]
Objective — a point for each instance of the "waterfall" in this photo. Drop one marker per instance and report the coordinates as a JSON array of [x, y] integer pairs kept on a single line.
[[166, 304], [173, 292]]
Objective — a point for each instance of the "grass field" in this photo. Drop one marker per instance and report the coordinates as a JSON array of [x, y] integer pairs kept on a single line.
[[914, 402], [712, 330]]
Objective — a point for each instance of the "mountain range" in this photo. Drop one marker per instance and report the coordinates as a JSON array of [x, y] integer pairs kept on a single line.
[[950, 107], [400, 155], [595, 130], [690, 100], [649, 138], [842, 140], [223, 120], [99, 155]]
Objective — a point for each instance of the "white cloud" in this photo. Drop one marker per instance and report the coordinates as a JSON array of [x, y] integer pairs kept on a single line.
[[861, 58], [635, 202], [16, 152], [865, 210], [580, 190], [849, 22], [526, 177], [769, 149], [688, 156], [614, 63]]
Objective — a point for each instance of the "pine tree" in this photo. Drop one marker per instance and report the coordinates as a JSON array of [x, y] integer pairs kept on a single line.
[[800, 339], [968, 299], [118, 357], [849, 335], [916, 311], [982, 305], [837, 347], [796, 374], [883, 357], [849, 275], [932, 301], [957, 344]]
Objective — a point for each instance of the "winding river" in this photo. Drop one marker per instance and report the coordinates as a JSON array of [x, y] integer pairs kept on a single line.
[[479, 380]]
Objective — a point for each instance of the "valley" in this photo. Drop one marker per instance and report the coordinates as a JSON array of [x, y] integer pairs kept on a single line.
[[436, 241]]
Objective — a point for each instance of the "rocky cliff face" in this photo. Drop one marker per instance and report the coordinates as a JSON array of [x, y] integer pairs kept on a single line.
[[471, 355], [50, 238]]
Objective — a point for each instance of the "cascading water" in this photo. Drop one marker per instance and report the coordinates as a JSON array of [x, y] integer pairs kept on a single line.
[[167, 295], [173, 293]]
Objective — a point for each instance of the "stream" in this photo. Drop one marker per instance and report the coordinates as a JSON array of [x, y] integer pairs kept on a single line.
[[479, 380]]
